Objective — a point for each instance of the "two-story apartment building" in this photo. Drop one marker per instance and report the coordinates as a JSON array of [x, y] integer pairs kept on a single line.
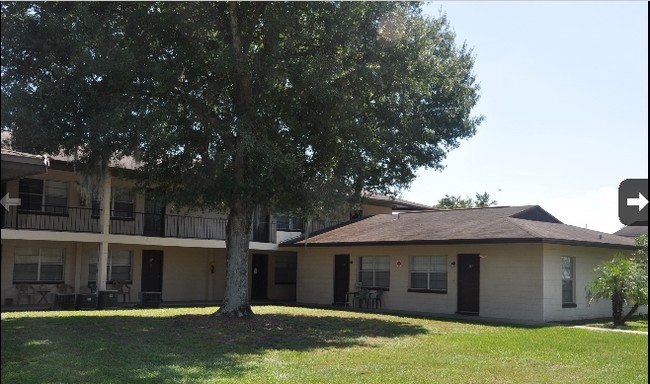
[[506, 262], [54, 237]]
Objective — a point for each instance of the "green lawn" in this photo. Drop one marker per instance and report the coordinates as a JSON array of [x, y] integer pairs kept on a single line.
[[298, 345]]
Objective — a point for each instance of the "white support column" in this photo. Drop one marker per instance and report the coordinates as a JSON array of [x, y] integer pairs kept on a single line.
[[105, 219], [78, 256]]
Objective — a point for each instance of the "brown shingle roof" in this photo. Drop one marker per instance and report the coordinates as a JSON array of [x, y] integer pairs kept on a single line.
[[476, 225], [395, 203], [11, 152], [19, 164], [632, 231]]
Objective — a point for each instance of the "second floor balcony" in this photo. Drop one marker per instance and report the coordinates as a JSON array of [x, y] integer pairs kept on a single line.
[[86, 220]]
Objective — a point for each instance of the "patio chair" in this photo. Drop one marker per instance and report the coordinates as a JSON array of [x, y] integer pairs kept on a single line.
[[123, 289], [363, 296], [25, 291], [377, 299]]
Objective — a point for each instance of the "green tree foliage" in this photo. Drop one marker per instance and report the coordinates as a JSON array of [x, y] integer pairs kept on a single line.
[[65, 86], [454, 202], [622, 280], [641, 253], [291, 106], [642, 248], [458, 202], [483, 200]]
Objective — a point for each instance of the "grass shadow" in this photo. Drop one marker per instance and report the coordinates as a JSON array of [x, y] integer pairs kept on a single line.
[[183, 348], [297, 332]]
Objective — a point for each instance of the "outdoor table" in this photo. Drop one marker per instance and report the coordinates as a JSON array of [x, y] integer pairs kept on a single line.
[[43, 297]]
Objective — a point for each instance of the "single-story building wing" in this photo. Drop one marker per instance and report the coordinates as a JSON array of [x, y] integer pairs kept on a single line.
[[518, 263]]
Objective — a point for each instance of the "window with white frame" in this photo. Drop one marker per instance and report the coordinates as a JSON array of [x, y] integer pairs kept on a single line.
[[374, 271], [118, 268], [122, 203], [285, 269], [33, 264], [429, 273], [568, 281], [43, 196]]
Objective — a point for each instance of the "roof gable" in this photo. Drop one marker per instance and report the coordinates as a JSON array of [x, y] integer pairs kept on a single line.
[[632, 231], [536, 213]]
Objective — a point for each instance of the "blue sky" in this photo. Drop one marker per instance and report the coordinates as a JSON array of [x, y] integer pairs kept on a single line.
[[564, 92]]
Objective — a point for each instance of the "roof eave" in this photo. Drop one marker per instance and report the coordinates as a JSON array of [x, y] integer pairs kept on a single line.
[[462, 241], [16, 165]]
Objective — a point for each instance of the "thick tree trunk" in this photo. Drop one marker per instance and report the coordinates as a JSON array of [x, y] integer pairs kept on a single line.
[[617, 309], [630, 313], [236, 302], [240, 216]]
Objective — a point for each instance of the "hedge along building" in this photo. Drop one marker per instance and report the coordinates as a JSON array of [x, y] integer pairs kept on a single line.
[[518, 263]]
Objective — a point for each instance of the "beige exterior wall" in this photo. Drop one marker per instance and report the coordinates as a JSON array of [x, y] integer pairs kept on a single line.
[[586, 260], [517, 281], [315, 275], [370, 210], [187, 271], [507, 289]]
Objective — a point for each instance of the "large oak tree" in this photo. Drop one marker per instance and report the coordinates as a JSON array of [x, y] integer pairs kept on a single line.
[[292, 106]]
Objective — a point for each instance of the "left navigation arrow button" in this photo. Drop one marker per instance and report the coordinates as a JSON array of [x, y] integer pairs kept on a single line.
[[9, 201]]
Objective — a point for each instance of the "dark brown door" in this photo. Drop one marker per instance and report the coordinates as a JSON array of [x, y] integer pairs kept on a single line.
[[260, 277], [341, 278], [152, 262], [154, 217], [469, 273]]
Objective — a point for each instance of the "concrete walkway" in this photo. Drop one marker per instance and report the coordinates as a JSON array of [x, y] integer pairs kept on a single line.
[[609, 329]]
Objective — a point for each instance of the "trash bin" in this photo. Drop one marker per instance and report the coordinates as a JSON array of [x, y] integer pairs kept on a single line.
[[107, 299], [150, 299], [86, 301]]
